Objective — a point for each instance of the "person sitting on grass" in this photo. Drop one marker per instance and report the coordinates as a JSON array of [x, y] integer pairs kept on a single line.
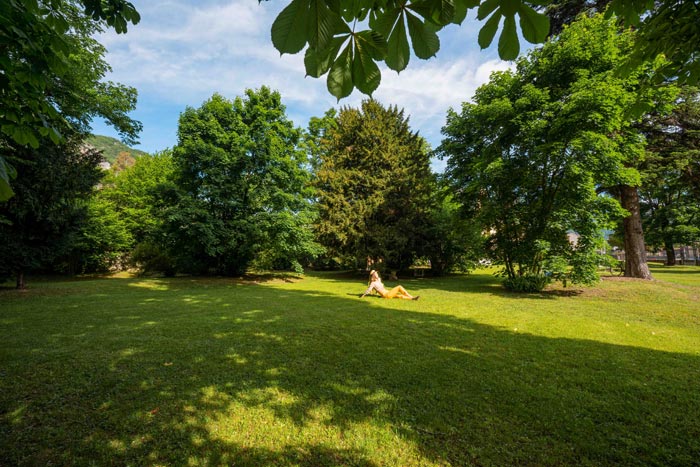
[[375, 283]]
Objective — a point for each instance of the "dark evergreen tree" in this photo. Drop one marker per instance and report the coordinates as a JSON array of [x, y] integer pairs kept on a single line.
[[41, 222], [374, 187]]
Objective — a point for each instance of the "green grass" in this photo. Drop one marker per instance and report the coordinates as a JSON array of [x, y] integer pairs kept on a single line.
[[131, 371]]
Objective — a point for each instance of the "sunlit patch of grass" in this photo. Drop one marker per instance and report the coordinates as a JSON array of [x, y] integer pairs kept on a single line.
[[301, 372], [150, 284]]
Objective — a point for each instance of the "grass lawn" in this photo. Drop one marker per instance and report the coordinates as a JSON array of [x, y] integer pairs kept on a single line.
[[301, 372]]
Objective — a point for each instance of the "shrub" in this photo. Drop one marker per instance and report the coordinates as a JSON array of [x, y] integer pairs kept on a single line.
[[527, 283], [148, 257]]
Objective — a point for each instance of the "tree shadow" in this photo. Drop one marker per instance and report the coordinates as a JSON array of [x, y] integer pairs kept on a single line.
[[165, 378]]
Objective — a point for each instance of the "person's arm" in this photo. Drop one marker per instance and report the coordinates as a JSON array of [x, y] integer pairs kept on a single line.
[[368, 291]]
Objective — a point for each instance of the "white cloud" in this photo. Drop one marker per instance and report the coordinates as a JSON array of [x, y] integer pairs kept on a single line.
[[177, 49], [428, 89]]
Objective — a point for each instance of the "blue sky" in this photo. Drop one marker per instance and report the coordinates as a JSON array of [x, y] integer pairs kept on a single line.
[[184, 51]]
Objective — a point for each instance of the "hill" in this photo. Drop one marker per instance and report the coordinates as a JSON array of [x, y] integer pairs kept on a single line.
[[111, 147]]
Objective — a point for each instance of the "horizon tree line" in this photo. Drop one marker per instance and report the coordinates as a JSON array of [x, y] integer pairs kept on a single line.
[[558, 144]]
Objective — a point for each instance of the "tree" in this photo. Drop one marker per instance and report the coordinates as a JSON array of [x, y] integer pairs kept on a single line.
[[41, 222], [50, 72], [315, 136], [373, 187], [454, 242], [136, 192], [123, 161], [529, 156], [634, 97], [346, 39], [126, 212], [241, 185], [103, 239], [669, 202], [668, 29], [564, 12]]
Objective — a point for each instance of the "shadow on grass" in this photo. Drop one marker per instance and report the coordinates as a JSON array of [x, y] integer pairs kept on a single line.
[[235, 375]]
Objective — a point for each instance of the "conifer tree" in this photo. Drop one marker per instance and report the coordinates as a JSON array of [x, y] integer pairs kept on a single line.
[[374, 184]]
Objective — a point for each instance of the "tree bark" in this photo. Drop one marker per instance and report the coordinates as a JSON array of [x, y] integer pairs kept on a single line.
[[21, 283], [670, 254], [635, 253]]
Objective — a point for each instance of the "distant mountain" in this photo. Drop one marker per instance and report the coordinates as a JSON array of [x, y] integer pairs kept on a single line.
[[111, 147]]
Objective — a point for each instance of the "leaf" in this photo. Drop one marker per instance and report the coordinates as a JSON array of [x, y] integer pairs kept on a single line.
[[488, 31], [119, 25], [289, 30], [446, 13], [351, 9], [487, 8], [5, 190], [461, 8], [373, 43], [510, 7], [438, 12], [425, 42], [318, 63], [365, 72], [7, 172], [32, 140], [55, 135], [626, 10], [398, 53], [339, 82], [384, 23], [323, 24], [508, 44], [535, 26], [134, 17]]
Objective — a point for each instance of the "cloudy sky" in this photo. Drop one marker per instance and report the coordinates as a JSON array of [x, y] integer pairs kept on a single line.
[[183, 51]]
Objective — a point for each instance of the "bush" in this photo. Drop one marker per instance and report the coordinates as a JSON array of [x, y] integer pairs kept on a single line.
[[526, 283], [148, 257]]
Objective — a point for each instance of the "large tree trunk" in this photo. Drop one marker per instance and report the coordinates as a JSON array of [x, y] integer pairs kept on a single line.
[[670, 254], [635, 253]]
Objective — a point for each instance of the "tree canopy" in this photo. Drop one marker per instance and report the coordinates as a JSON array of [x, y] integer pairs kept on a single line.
[[240, 179], [41, 222], [373, 187], [530, 155], [51, 72], [669, 199]]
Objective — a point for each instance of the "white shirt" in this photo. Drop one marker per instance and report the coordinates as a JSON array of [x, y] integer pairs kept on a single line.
[[378, 286]]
